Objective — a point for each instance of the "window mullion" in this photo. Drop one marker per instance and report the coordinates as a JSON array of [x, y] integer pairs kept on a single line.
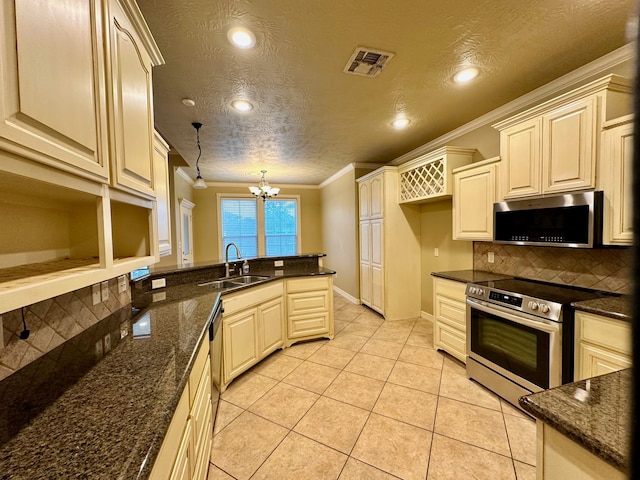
[[261, 232]]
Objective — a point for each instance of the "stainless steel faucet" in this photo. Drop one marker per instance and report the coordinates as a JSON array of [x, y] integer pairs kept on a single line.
[[226, 257]]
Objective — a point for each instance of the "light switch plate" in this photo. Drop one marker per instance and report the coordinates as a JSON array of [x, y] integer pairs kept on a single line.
[[278, 263], [106, 340], [490, 257], [122, 283], [95, 294], [158, 283], [104, 290]]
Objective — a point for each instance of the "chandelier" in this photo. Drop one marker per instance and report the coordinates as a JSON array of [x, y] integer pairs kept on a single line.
[[264, 190]]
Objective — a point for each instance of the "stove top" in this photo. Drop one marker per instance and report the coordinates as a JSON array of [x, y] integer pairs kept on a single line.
[[542, 299]]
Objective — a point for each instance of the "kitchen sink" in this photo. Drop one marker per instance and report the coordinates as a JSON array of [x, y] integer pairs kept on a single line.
[[233, 282]]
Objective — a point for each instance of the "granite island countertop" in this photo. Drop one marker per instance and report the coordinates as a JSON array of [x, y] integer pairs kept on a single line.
[[80, 413], [595, 413], [470, 276]]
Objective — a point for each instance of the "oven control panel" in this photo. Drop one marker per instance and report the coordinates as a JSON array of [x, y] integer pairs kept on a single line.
[[514, 300]]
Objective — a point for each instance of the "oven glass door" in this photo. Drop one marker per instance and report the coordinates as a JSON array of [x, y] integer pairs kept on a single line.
[[520, 349]]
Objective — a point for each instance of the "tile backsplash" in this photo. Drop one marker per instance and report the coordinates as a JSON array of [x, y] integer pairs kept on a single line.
[[52, 322], [607, 269]]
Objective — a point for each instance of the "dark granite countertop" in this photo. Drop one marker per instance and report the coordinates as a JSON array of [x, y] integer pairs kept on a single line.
[[619, 307], [595, 413], [470, 276], [81, 413]]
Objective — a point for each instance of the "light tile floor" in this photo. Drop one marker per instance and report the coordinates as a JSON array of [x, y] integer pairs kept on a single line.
[[376, 402]]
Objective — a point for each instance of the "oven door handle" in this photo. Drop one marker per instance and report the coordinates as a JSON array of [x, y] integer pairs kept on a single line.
[[521, 319]]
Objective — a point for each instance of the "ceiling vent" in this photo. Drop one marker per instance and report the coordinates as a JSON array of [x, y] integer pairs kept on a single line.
[[367, 62]]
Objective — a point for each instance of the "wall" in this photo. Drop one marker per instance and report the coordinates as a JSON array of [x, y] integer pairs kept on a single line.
[[205, 219], [436, 225], [52, 322], [607, 269]]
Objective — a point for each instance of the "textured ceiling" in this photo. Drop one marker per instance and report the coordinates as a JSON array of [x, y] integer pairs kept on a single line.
[[311, 119]]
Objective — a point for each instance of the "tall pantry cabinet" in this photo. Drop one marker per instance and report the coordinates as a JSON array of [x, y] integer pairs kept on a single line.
[[389, 247]]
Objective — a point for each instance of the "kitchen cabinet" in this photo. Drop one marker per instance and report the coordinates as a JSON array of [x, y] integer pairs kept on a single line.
[[252, 328], [58, 119], [309, 308], [554, 147], [389, 247], [161, 189], [74, 221], [429, 176], [559, 458], [450, 317], [475, 190], [603, 345], [616, 180], [185, 451]]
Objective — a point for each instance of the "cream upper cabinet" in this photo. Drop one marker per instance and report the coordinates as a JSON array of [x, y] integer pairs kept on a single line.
[[132, 55], [554, 147], [389, 248], [52, 85], [475, 190], [616, 180], [161, 188], [603, 345]]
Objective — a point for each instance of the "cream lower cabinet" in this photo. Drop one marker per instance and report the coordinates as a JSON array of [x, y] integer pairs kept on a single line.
[[252, 328], [309, 308], [475, 190], [554, 147], [616, 180], [560, 458], [389, 247], [450, 317], [184, 453], [603, 345]]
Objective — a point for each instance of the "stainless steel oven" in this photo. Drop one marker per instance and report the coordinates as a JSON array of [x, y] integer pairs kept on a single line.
[[520, 335]]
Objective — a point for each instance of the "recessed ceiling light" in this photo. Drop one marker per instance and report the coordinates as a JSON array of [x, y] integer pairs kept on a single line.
[[242, 105], [466, 75], [400, 123], [241, 37]]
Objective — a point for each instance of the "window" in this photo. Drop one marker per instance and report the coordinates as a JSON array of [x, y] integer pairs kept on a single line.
[[257, 227]]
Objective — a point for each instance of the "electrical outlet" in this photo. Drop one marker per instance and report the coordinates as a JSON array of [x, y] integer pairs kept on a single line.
[[99, 351], [124, 329], [95, 294], [122, 283], [278, 263], [490, 257], [106, 340], [158, 283], [104, 290]]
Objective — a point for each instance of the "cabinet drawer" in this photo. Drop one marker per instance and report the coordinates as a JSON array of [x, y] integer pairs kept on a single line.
[[306, 325], [307, 302], [308, 284], [450, 289], [253, 296], [201, 363], [451, 312], [607, 332], [201, 415], [452, 341], [594, 361]]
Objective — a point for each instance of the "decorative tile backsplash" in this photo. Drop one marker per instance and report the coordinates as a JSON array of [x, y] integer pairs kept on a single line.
[[52, 322], [607, 269]]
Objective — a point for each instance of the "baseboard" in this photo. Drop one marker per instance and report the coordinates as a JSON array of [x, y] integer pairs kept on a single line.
[[354, 300], [426, 316]]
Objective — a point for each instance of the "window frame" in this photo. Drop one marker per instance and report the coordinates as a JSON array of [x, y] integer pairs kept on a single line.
[[260, 219]]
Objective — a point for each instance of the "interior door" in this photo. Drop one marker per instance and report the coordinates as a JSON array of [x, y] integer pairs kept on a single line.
[[186, 232]]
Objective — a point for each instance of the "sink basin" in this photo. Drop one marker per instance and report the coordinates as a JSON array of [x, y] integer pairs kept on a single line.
[[233, 282]]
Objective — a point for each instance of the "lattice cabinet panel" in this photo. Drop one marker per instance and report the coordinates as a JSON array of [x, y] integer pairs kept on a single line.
[[428, 177]]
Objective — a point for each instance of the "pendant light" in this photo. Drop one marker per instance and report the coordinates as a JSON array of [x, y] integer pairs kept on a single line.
[[264, 190], [199, 183]]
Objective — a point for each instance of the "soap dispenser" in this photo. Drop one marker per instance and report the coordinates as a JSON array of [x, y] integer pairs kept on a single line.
[[245, 267]]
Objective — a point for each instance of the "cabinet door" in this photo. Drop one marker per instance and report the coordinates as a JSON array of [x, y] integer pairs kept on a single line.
[[240, 340], [132, 148], [52, 84], [377, 266], [365, 283], [161, 187], [308, 313], [521, 157], [364, 199], [270, 326], [473, 199], [182, 466], [568, 156], [365, 241], [616, 167], [595, 361], [377, 196]]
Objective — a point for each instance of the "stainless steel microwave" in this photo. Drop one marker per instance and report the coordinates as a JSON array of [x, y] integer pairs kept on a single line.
[[570, 220]]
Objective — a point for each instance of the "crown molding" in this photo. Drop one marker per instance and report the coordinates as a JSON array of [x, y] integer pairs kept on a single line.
[[347, 169], [599, 66], [184, 175]]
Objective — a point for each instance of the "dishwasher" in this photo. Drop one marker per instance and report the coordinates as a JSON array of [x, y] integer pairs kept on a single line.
[[215, 349]]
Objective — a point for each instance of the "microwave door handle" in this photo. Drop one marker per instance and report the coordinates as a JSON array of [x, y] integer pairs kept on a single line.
[[521, 319]]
